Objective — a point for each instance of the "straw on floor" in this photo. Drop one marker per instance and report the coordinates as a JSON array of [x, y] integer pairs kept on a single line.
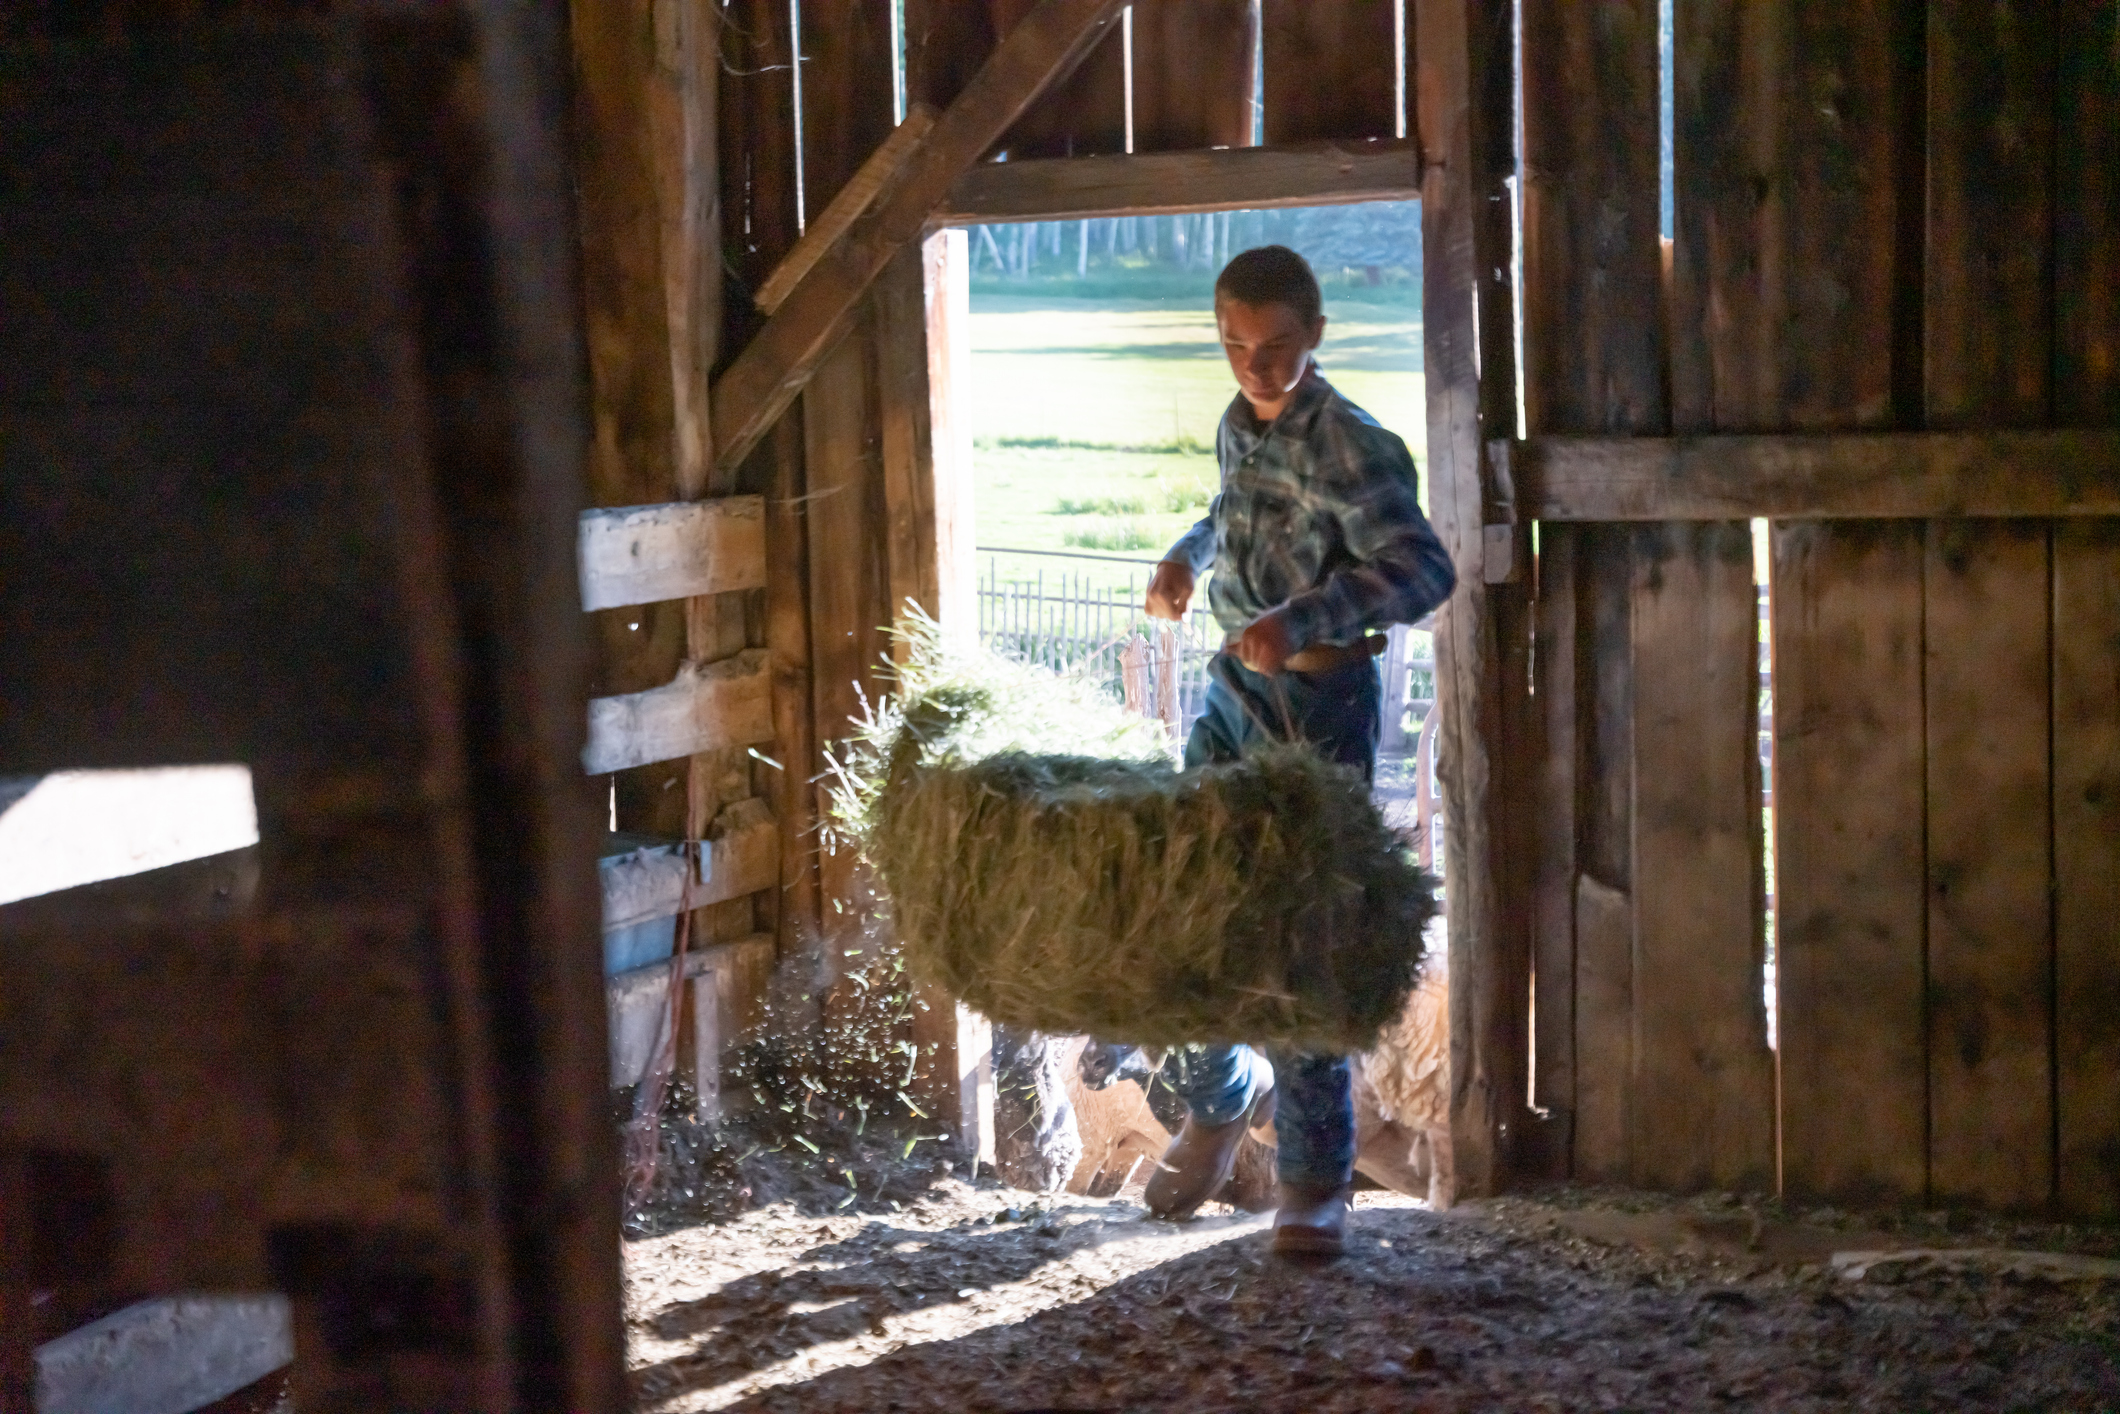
[[1110, 893]]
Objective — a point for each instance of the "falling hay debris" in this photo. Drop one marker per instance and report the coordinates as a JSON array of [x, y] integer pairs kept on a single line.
[[1262, 901]]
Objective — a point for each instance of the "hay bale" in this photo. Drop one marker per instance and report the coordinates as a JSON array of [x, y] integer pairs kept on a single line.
[[1261, 901]]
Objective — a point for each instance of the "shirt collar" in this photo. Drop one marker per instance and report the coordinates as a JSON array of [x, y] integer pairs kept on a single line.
[[1304, 401]]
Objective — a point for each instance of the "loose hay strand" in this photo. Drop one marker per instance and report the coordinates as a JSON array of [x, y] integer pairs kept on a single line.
[[1047, 864]]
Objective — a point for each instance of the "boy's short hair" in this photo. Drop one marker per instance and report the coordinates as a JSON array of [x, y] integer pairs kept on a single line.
[[1272, 274]]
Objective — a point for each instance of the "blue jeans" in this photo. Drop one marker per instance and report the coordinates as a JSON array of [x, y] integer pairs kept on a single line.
[[1340, 713]]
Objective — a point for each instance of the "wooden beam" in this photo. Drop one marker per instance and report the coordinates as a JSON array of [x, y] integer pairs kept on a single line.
[[1885, 475], [729, 703], [1071, 188], [765, 378], [878, 177], [644, 554]]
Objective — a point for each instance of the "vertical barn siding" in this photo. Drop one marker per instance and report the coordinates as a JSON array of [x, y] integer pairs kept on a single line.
[[846, 92], [634, 457], [2087, 618], [1791, 157], [1987, 361], [1702, 1108], [1194, 74], [757, 118], [1083, 114], [1331, 69]]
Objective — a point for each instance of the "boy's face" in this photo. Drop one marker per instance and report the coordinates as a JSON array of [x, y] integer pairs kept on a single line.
[[1269, 347]]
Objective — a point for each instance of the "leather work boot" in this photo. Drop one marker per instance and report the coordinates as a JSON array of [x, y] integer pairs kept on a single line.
[[1312, 1222], [1200, 1160]]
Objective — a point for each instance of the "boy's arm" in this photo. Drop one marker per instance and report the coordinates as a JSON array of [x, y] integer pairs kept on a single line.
[[1401, 569]]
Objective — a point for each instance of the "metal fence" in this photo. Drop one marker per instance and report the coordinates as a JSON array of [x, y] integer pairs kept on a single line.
[[1072, 620], [1075, 622]]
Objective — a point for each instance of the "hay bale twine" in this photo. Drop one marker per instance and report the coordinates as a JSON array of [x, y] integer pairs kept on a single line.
[[1261, 901]]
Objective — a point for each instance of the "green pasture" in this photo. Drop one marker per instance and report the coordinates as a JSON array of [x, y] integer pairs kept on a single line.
[[1093, 422]]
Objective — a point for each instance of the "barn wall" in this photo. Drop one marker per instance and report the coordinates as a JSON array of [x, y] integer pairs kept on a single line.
[[1890, 217]]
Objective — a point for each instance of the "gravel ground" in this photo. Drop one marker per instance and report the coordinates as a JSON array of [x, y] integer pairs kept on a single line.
[[978, 1297]]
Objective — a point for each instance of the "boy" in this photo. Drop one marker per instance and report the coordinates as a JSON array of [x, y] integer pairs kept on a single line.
[[1315, 540]]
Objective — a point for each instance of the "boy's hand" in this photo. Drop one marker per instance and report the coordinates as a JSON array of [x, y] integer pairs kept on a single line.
[[1267, 644], [1170, 590]]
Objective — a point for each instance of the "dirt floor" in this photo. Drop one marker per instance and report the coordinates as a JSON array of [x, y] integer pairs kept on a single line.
[[863, 1281]]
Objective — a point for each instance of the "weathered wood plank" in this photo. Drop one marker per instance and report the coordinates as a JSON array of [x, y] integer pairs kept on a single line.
[[954, 1079], [742, 854], [1554, 882], [1810, 476], [777, 466], [640, 554], [625, 127], [1702, 1108], [1989, 863], [2086, 612], [1194, 74], [1331, 69], [775, 365], [1988, 340], [2087, 864], [1604, 1031], [847, 95], [2087, 214], [704, 707], [644, 882], [1850, 911], [947, 266], [870, 185], [1790, 129], [1988, 327], [1593, 332], [1461, 183], [1594, 340], [906, 445], [1316, 174]]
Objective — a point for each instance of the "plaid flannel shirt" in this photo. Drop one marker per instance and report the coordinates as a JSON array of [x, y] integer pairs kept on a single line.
[[1317, 512]]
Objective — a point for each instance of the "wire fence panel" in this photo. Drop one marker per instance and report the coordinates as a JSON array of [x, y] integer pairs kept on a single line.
[[1080, 622]]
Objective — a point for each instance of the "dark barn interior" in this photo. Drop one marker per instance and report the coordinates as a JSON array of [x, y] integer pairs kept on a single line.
[[509, 430]]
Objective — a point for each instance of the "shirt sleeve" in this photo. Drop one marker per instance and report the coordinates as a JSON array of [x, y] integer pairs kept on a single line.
[[1196, 547], [1400, 570]]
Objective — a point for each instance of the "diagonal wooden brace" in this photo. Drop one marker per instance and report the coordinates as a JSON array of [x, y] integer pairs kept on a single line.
[[758, 387]]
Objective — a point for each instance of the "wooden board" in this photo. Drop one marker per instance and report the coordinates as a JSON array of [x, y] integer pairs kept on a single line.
[[1702, 1108], [623, 130], [1312, 174], [947, 41], [1594, 343], [2087, 864], [1604, 1031], [849, 566], [2086, 610], [704, 707], [1194, 74], [948, 291], [766, 377], [1331, 69], [2087, 214], [1849, 793], [639, 554], [1792, 167], [1988, 338], [1554, 883], [1844, 475], [906, 444], [1990, 939], [847, 95]]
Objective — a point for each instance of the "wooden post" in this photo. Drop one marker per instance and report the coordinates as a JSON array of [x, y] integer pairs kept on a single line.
[[1987, 362], [1458, 43], [2087, 621]]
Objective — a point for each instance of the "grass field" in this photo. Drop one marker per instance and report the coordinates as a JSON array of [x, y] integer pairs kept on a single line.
[[1094, 422]]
